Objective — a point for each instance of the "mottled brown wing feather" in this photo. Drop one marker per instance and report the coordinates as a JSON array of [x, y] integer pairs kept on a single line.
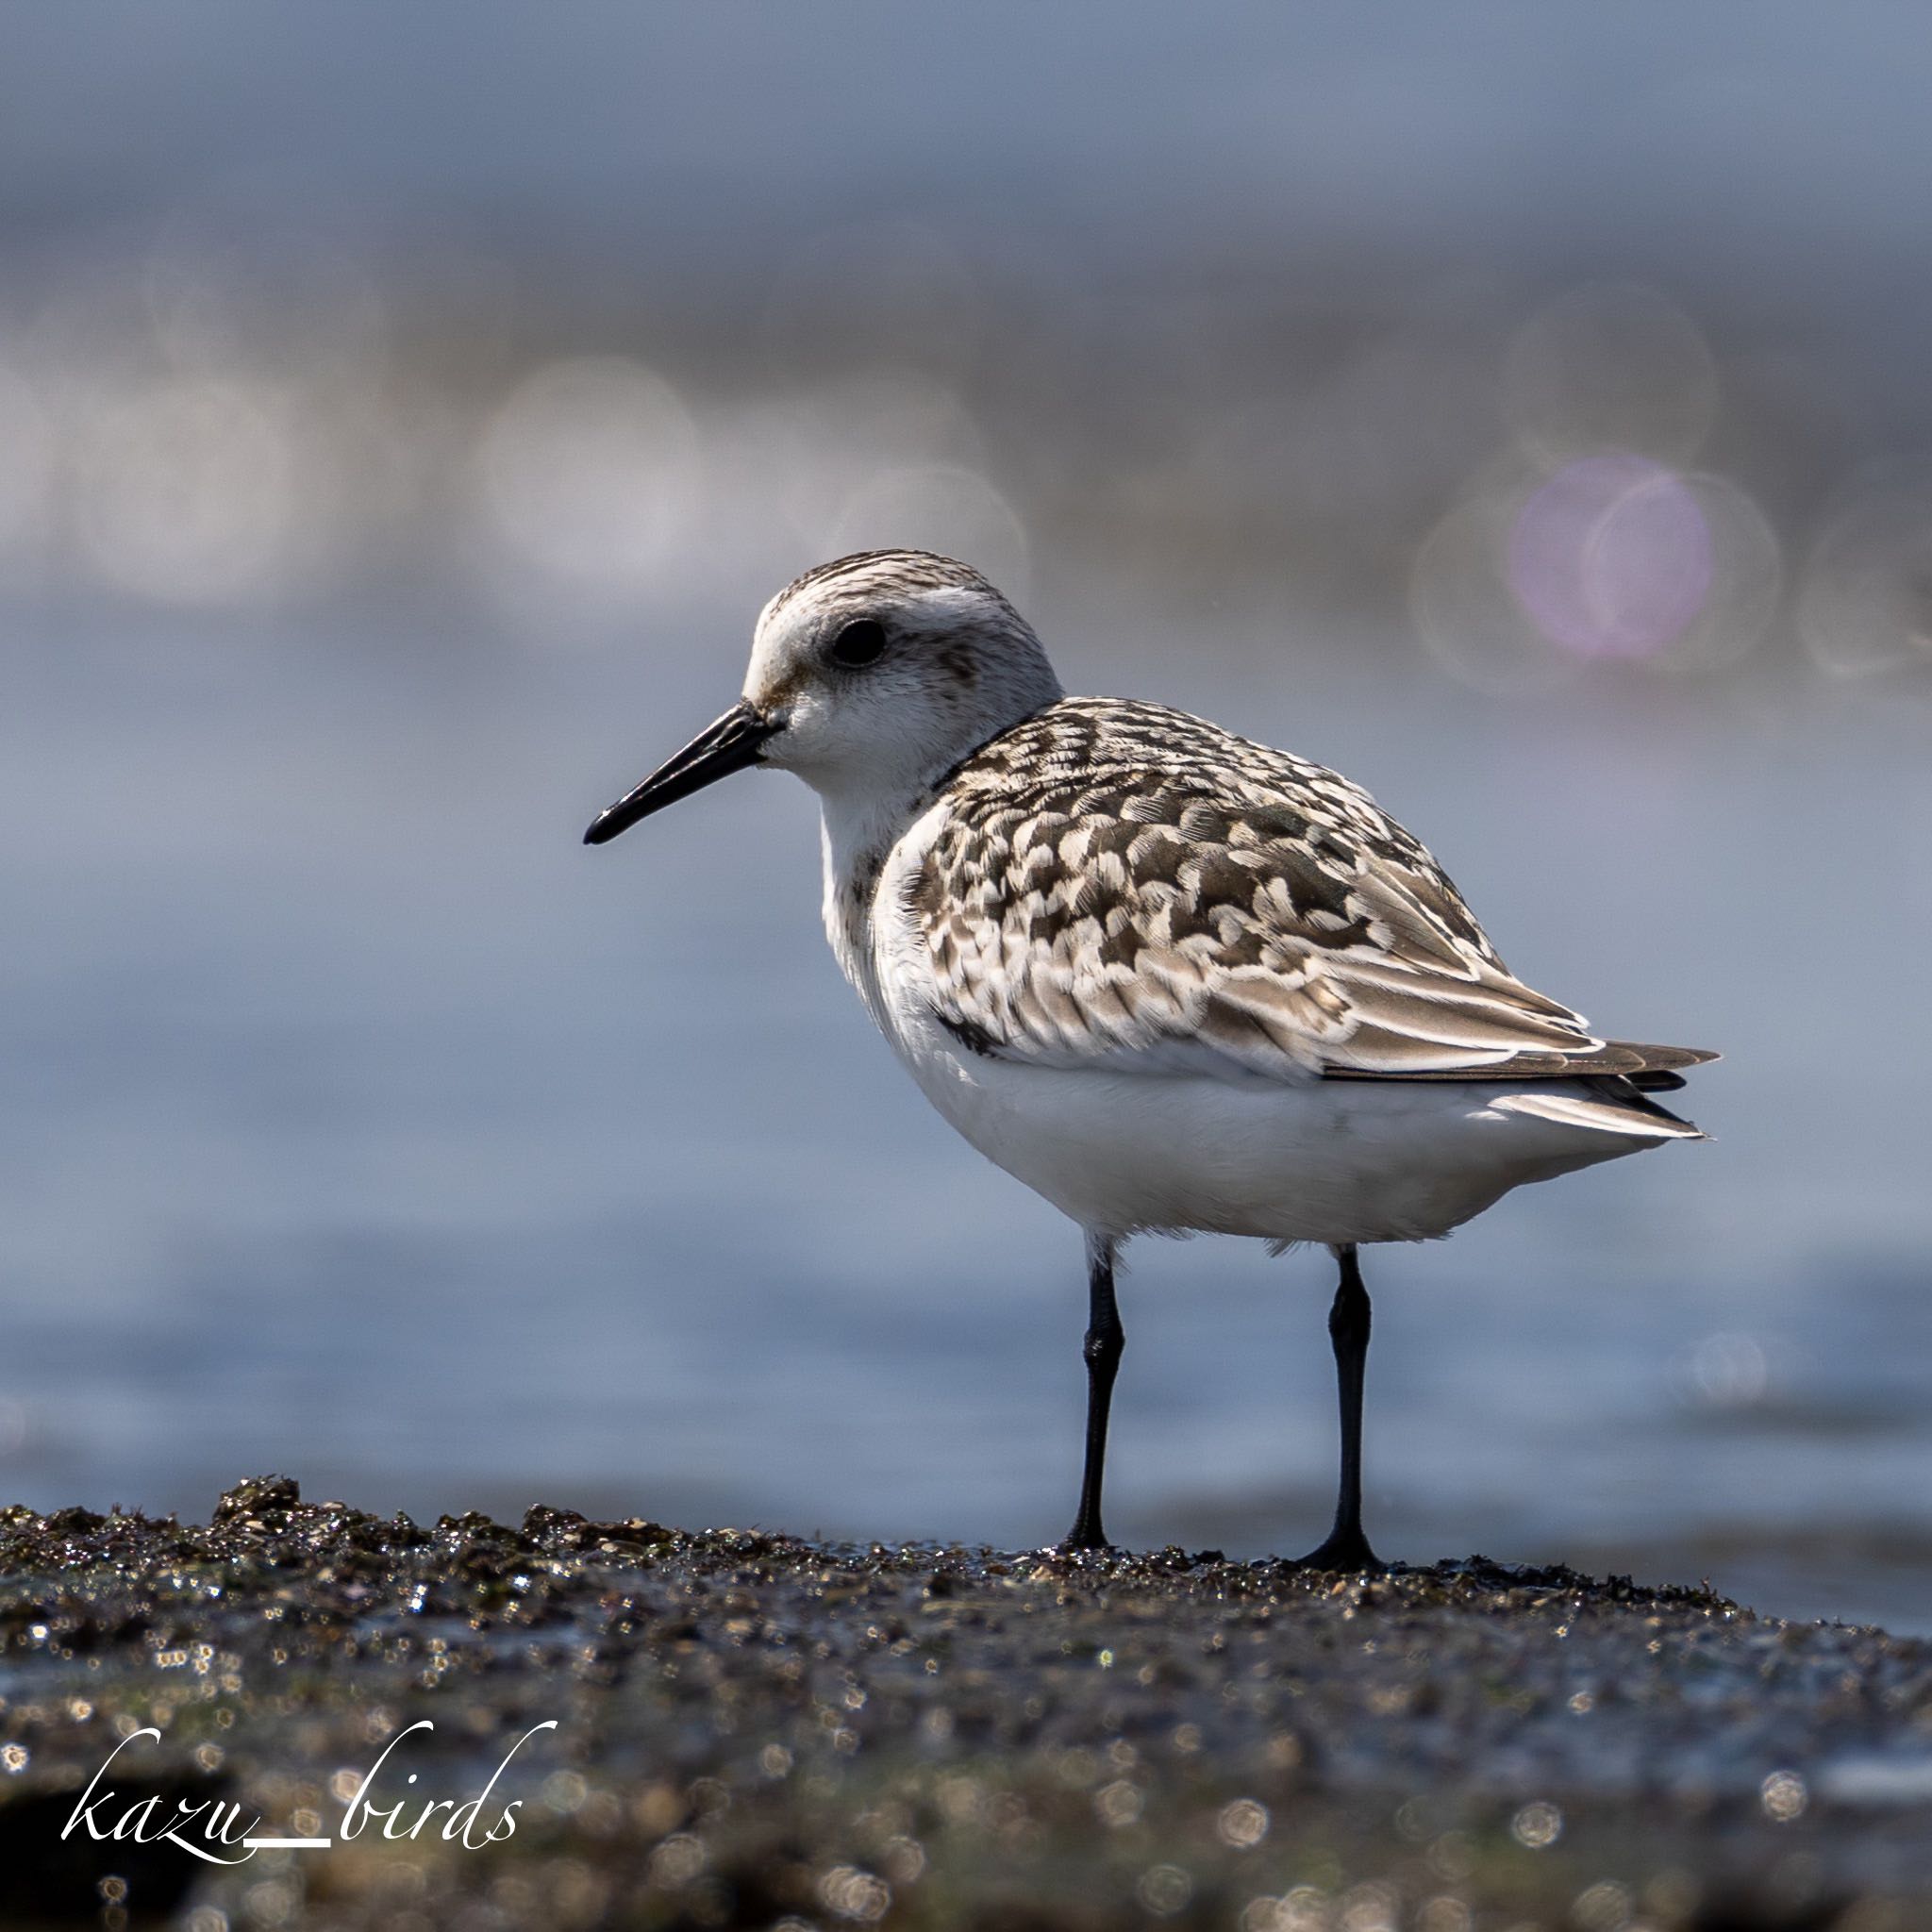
[[1117, 883]]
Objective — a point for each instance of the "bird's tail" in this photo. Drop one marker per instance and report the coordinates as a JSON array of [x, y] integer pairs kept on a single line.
[[1614, 1106]]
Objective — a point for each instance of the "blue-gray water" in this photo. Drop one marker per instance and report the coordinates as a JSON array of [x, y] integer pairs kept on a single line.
[[366, 1126], [361, 1122]]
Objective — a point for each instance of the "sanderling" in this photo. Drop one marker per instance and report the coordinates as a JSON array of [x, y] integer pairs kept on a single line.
[[1173, 980]]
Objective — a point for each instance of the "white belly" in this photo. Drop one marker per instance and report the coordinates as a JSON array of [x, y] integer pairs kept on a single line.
[[1328, 1162]]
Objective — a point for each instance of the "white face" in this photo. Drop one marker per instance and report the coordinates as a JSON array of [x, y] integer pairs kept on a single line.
[[882, 673], [869, 677]]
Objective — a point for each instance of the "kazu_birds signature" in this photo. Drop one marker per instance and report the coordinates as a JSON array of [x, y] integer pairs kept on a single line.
[[1173, 980]]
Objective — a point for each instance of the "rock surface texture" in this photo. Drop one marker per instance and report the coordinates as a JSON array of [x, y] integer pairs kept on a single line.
[[749, 1729]]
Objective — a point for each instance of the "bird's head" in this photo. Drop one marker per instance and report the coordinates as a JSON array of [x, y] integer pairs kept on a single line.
[[870, 675]]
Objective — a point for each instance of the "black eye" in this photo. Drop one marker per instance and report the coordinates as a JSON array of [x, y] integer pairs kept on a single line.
[[860, 643]]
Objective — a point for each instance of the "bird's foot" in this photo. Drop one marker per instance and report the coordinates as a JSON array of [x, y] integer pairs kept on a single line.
[[1083, 1538], [1346, 1551]]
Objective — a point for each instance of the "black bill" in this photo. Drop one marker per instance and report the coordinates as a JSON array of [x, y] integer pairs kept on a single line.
[[728, 745]]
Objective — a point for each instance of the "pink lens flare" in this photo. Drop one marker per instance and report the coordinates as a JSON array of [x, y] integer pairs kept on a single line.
[[1612, 556]]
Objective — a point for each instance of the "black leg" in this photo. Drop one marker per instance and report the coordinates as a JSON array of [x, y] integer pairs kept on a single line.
[[1346, 1547], [1106, 1338]]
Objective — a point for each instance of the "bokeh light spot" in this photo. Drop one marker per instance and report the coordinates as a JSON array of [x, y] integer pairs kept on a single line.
[[588, 471], [1610, 365], [1784, 1796], [1537, 1826], [1464, 613], [189, 490], [1611, 557], [1865, 604]]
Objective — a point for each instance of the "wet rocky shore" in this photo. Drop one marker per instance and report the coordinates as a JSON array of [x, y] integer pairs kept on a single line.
[[566, 1723]]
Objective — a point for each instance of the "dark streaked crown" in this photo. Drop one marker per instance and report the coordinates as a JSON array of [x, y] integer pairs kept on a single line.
[[902, 572]]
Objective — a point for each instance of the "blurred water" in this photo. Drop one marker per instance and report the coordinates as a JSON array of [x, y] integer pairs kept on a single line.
[[367, 1126], [402, 413]]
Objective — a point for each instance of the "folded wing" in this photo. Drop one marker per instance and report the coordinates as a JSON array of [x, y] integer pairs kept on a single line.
[[1120, 885]]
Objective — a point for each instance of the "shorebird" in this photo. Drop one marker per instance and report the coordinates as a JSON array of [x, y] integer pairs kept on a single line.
[[1173, 980]]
